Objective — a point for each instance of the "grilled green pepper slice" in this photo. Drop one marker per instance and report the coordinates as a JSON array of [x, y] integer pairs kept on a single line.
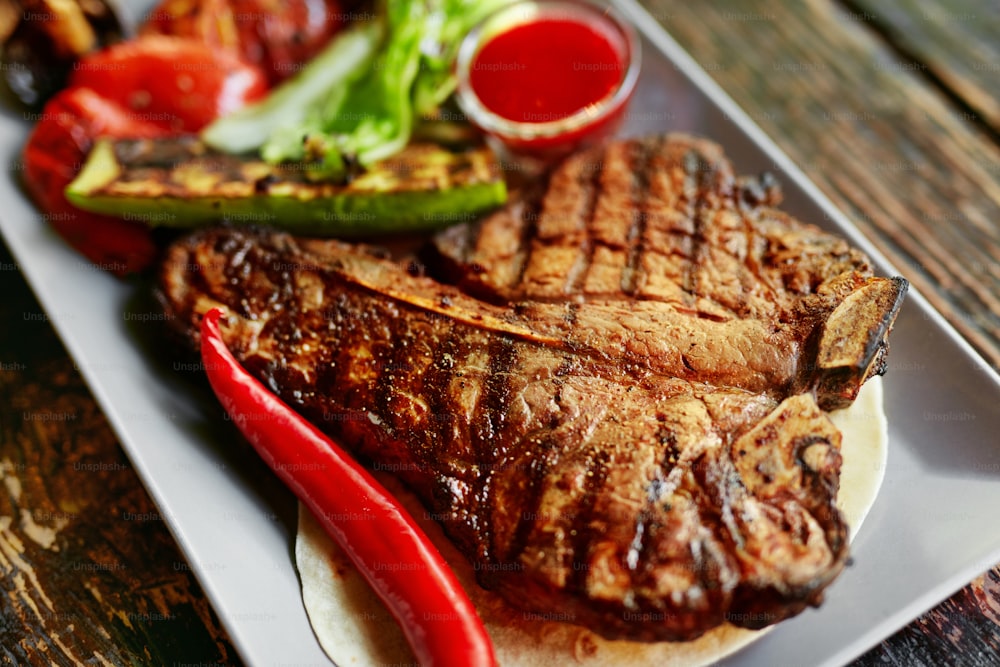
[[179, 182]]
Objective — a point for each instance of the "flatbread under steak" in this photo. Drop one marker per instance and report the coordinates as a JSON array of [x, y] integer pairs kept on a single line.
[[355, 628], [614, 400]]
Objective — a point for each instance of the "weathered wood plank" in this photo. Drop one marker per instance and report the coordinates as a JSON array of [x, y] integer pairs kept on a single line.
[[89, 573], [958, 42], [963, 630], [887, 146]]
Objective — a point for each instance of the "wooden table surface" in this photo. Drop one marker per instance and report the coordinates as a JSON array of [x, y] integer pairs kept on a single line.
[[890, 106]]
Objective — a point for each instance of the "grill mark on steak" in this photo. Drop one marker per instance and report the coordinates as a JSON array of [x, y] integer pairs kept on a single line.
[[589, 184], [694, 190], [596, 477], [438, 383], [530, 212], [495, 406], [604, 455], [641, 158], [537, 471]]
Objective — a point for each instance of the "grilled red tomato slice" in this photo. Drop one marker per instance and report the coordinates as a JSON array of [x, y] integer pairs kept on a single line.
[[177, 83], [145, 88]]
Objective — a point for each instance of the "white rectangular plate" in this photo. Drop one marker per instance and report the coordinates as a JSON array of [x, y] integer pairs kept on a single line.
[[932, 528]]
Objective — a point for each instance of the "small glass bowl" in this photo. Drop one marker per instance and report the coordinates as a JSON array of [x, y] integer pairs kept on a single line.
[[537, 144]]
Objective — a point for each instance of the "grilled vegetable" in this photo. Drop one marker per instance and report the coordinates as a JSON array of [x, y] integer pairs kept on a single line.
[[337, 65], [277, 36], [179, 182], [175, 82], [52, 157], [149, 87], [40, 40], [396, 70]]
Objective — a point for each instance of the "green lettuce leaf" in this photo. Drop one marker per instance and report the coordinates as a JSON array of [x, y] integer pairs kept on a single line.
[[387, 76]]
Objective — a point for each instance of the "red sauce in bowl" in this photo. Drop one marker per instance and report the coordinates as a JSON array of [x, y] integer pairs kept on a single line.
[[548, 69], [542, 79]]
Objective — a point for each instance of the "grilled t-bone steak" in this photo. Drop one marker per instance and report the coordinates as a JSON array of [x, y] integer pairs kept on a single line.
[[615, 405]]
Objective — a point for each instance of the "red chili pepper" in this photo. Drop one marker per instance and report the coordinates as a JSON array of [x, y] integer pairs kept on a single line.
[[431, 607]]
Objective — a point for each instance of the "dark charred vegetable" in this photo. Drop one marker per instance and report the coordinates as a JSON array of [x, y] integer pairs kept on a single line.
[[42, 39], [390, 551]]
